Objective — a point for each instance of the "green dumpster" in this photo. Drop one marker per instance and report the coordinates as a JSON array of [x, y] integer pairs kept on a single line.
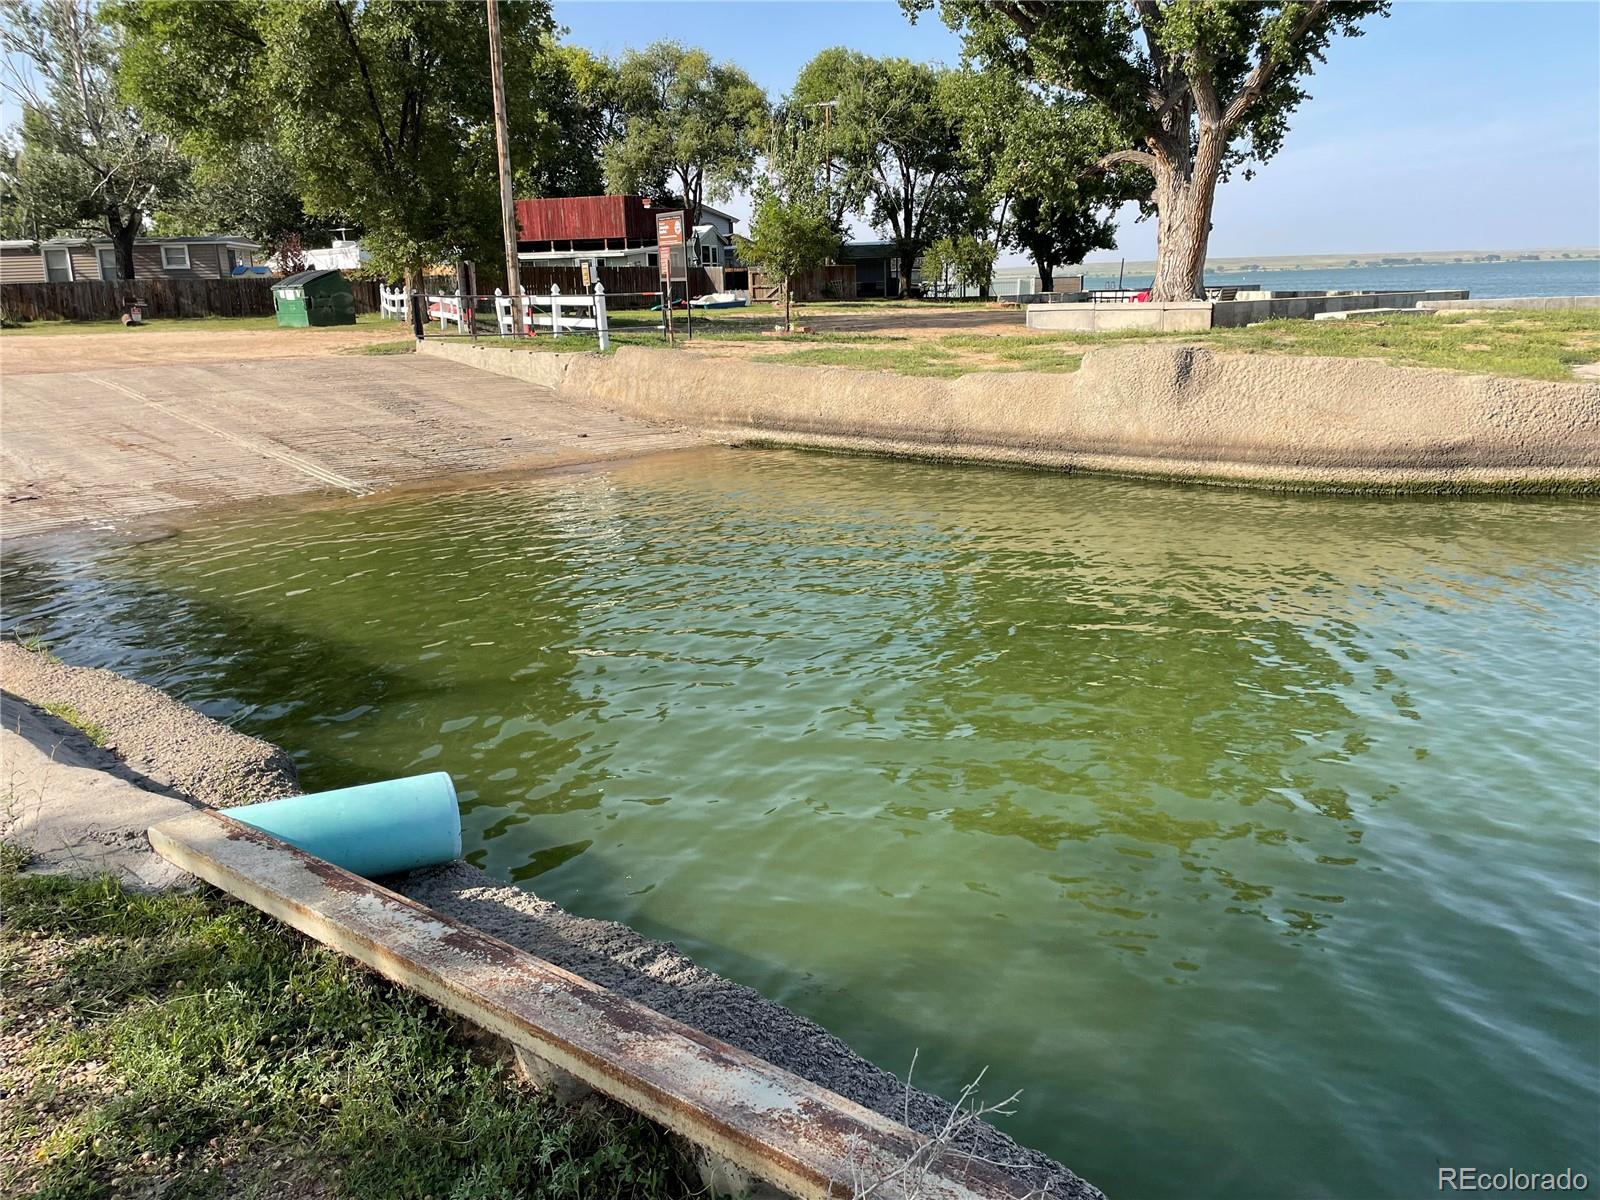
[[314, 298]]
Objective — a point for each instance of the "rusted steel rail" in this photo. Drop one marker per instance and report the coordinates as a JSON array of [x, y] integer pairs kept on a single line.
[[804, 1139]]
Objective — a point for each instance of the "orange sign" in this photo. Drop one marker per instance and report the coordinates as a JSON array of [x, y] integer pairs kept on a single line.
[[669, 229]]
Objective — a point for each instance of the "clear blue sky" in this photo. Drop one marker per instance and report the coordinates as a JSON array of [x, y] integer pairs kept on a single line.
[[1448, 126]]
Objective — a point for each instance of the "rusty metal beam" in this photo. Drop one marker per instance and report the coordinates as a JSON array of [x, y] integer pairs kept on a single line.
[[799, 1137]]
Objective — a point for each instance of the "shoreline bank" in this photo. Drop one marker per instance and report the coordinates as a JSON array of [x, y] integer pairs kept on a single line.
[[1151, 411], [168, 759]]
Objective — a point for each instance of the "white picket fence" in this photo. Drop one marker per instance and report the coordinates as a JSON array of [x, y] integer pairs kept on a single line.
[[559, 314]]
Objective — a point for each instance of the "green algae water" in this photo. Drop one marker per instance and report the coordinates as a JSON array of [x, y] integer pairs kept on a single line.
[[1256, 838]]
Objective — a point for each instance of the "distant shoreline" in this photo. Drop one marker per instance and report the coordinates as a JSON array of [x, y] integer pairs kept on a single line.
[[1360, 262]]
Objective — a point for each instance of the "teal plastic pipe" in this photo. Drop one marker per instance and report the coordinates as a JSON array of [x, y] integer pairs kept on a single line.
[[370, 829]]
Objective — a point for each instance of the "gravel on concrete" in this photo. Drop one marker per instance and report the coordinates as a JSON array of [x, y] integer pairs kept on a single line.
[[167, 744], [173, 748]]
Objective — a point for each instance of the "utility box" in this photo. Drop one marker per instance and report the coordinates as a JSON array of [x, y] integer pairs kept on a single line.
[[314, 298]]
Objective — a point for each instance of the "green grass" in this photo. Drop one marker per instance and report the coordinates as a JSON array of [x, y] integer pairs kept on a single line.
[[194, 1048], [35, 644], [187, 324], [409, 346], [1531, 344], [923, 360], [68, 713]]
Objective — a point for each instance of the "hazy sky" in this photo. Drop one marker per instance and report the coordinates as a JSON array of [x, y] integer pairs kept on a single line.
[[1448, 126]]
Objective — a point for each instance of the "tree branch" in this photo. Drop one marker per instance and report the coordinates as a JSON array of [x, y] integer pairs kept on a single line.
[[1262, 75], [1139, 158], [366, 80]]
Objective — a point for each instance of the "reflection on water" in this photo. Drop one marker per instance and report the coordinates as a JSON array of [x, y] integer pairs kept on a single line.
[[1253, 836]]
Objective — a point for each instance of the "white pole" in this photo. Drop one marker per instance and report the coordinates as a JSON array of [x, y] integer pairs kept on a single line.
[[555, 311], [601, 323]]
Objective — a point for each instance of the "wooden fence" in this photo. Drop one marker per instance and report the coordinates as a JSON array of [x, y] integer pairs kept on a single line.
[[93, 299], [836, 281]]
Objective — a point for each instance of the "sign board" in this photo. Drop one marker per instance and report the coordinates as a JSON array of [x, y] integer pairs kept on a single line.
[[671, 252], [587, 266]]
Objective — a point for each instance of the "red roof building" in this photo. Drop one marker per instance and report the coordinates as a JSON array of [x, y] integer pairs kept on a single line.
[[585, 223]]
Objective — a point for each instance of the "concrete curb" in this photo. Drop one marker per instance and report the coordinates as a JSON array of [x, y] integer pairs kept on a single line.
[[765, 1122], [1166, 411]]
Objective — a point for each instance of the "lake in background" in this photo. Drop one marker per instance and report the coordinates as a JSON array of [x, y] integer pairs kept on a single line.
[[1551, 277], [1254, 836]]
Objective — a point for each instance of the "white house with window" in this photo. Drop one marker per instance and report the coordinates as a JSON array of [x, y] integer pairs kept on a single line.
[[70, 260]]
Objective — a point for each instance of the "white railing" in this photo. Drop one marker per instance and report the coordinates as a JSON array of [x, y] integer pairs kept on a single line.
[[563, 315], [559, 314], [392, 302]]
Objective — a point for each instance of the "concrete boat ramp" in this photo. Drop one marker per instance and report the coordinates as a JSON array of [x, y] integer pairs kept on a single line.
[[108, 444]]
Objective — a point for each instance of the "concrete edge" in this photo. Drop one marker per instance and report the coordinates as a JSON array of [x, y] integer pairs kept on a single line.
[[1164, 411], [774, 1125]]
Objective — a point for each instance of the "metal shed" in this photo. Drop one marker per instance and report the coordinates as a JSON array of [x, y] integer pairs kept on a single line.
[[314, 298]]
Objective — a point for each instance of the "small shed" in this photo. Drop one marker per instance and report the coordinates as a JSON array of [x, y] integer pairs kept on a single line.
[[314, 298]]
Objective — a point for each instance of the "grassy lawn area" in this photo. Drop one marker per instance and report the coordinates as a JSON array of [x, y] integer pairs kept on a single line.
[[183, 1045], [186, 324], [1532, 344]]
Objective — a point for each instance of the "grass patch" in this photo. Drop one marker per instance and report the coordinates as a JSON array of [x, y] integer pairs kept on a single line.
[[926, 360], [68, 713], [35, 644], [409, 346], [1531, 344], [187, 1046]]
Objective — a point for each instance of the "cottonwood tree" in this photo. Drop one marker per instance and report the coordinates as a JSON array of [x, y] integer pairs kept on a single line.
[[86, 159], [1194, 88], [382, 108], [897, 142], [690, 127]]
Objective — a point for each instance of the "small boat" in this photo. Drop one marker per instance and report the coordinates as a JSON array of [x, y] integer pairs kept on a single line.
[[720, 300]]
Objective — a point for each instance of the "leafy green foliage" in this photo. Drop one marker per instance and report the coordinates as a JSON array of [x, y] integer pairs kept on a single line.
[[195, 1047], [382, 109], [249, 189], [689, 127], [1187, 89], [86, 162], [791, 228], [960, 261], [897, 141]]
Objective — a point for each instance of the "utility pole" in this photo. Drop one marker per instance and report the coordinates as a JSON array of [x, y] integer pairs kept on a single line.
[[827, 107], [508, 205]]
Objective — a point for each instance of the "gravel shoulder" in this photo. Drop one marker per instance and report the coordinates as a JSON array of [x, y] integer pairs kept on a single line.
[[162, 744]]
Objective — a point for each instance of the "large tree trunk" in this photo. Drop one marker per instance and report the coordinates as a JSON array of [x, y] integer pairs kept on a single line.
[[908, 260], [1047, 273], [1186, 187], [122, 235]]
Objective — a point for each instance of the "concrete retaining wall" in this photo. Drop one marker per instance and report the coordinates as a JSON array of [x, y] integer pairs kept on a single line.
[[1194, 315], [1514, 302], [1228, 314], [1188, 316], [1158, 410]]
